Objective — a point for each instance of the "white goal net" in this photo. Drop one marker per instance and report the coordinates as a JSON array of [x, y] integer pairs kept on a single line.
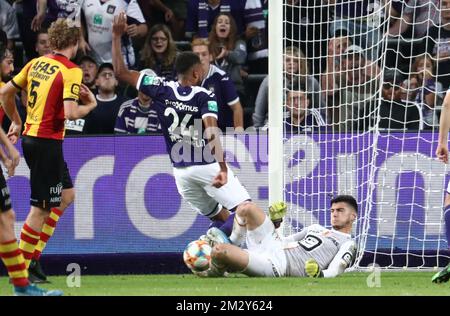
[[362, 87]]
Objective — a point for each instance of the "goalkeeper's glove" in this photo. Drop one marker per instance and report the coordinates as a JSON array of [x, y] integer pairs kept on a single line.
[[276, 212], [312, 269]]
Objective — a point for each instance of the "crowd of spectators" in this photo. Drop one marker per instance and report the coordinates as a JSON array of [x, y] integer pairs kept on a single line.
[[333, 70]]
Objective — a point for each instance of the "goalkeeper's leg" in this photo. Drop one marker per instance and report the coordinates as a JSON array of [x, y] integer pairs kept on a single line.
[[230, 258], [227, 257], [235, 226], [248, 216]]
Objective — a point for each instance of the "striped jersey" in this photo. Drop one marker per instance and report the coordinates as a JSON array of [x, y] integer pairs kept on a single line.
[[136, 119], [48, 80], [313, 121]]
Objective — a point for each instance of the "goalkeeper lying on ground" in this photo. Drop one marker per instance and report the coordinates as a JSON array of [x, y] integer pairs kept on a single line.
[[315, 251]]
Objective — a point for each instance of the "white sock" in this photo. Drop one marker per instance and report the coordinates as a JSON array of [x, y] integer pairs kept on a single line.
[[239, 232]]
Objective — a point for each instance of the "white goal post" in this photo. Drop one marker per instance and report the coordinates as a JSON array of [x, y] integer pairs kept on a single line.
[[355, 90]]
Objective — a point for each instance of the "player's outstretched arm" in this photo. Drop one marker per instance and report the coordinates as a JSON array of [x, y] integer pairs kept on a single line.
[[121, 70], [341, 261], [40, 15], [444, 125]]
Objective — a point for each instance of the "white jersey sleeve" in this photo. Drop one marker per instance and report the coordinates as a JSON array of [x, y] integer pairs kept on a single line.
[[297, 236], [134, 11], [341, 261]]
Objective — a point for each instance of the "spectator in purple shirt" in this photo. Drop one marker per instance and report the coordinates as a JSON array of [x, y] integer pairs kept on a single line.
[[201, 14], [302, 117], [229, 53], [429, 89], [218, 81], [137, 117], [250, 23]]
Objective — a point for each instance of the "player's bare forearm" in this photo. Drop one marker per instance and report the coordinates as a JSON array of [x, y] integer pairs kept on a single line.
[[216, 149], [6, 161], [82, 111], [4, 139], [12, 158], [121, 70], [42, 6], [142, 29], [3, 156], [212, 133], [238, 117]]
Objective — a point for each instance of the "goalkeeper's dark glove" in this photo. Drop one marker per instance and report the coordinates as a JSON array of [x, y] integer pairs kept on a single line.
[[276, 212], [312, 269]]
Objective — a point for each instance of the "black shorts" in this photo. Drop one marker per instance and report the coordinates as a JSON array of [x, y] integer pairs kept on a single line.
[[5, 198], [48, 171], [67, 179]]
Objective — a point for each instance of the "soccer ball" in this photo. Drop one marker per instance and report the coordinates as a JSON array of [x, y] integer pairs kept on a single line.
[[197, 255]]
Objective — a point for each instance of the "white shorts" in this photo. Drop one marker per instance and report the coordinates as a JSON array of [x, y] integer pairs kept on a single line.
[[194, 185], [448, 187], [265, 249]]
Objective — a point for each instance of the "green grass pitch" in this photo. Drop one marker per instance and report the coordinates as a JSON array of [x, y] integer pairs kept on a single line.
[[391, 283]]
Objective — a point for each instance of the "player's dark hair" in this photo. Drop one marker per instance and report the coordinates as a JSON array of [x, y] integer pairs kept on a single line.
[[185, 61], [3, 38], [350, 200], [42, 30], [2, 52]]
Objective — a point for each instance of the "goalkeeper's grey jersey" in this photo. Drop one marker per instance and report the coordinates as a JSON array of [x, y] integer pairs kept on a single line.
[[332, 250]]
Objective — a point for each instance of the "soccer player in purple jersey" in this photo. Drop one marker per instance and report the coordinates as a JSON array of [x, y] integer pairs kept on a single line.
[[184, 111], [442, 154]]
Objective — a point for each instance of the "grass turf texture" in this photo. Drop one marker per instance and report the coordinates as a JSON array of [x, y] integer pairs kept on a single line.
[[392, 283]]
